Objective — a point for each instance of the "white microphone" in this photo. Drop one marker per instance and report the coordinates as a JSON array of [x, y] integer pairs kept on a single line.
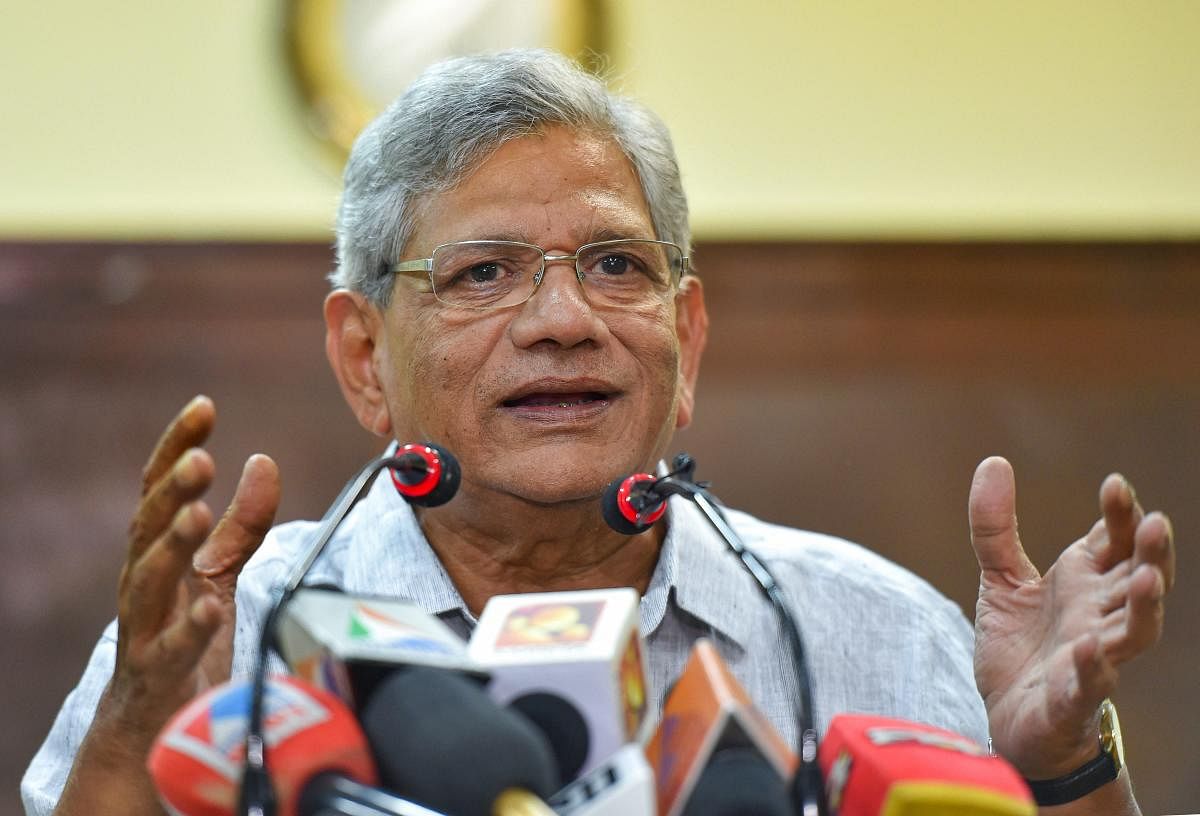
[[573, 663]]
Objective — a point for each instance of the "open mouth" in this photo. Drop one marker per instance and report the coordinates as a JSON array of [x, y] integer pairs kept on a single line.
[[554, 400]]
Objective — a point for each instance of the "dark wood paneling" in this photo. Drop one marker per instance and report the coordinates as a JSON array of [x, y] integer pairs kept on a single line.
[[849, 388]]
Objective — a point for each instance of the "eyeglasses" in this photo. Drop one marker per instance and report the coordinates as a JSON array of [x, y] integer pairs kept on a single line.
[[495, 274]]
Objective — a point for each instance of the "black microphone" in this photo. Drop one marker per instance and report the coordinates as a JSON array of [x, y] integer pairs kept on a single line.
[[439, 740], [633, 504], [738, 782], [629, 504], [424, 474]]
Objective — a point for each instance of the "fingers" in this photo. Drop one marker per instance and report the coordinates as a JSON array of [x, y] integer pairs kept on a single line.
[[1154, 544], [184, 641], [189, 429], [189, 477], [1095, 678], [992, 510], [151, 583], [1137, 625], [245, 523], [1121, 514]]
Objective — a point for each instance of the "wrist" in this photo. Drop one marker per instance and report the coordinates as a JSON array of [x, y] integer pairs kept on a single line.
[[1098, 768]]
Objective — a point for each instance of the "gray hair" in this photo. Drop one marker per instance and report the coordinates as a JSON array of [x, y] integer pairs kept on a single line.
[[455, 115]]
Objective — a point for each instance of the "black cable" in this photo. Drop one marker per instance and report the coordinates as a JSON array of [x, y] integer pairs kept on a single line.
[[807, 787]]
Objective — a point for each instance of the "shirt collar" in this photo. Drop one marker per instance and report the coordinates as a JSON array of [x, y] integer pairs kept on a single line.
[[698, 574]]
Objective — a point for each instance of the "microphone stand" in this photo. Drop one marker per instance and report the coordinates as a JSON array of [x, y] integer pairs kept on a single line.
[[257, 796], [808, 790]]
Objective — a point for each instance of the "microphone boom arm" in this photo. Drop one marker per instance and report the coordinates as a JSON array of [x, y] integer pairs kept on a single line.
[[808, 788]]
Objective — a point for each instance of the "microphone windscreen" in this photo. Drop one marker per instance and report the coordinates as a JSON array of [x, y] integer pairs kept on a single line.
[[431, 477], [197, 760], [563, 726], [620, 513], [739, 782], [875, 765], [439, 740]]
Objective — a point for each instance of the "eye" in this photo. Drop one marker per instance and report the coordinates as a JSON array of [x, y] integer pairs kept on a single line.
[[483, 273], [615, 264]]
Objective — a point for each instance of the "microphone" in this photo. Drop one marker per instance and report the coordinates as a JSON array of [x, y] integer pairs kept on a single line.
[[632, 504], [319, 755], [878, 765], [712, 739], [622, 785], [631, 514], [423, 474], [738, 782], [440, 740], [572, 662], [347, 644]]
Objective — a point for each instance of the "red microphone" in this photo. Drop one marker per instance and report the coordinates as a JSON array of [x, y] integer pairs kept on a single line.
[[425, 475], [877, 765], [196, 762], [631, 504]]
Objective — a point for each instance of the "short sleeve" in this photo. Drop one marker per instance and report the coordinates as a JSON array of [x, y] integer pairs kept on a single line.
[[47, 773]]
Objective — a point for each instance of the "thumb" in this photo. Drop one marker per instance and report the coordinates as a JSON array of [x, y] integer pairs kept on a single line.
[[245, 523], [992, 510]]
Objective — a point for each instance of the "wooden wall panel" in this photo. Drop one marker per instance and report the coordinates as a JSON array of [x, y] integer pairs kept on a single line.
[[849, 388]]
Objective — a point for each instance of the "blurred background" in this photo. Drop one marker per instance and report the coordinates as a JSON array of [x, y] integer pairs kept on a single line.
[[929, 231]]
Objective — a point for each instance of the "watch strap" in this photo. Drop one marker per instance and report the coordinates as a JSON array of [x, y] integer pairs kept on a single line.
[[1078, 783]]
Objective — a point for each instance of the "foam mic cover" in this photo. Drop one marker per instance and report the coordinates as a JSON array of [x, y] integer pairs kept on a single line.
[[427, 476], [439, 740], [196, 762], [739, 782], [878, 765], [706, 715], [630, 505], [347, 644], [572, 662]]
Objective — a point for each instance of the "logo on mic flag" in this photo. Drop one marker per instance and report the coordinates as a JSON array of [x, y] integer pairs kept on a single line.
[[549, 623], [212, 729], [369, 624]]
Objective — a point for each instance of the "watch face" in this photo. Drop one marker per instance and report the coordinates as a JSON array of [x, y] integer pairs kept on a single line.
[[350, 58], [1110, 734]]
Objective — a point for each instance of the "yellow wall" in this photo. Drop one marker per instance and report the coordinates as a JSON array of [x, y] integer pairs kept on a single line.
[[1075, 118]]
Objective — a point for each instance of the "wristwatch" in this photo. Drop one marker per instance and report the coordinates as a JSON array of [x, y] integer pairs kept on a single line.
[[1092, 774]]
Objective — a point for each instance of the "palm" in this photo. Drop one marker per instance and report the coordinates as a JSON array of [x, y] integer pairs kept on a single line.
[[1047, 647]]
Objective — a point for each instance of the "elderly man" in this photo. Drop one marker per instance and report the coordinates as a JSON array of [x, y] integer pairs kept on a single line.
[[513, 284]]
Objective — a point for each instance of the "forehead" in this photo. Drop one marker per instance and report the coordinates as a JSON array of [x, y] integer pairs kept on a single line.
[[560, 186]]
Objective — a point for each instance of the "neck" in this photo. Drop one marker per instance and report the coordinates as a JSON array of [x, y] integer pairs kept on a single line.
[[514, 546]]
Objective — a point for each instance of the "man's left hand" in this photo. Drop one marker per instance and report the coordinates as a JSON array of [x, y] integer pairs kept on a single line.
[[1047, 647]]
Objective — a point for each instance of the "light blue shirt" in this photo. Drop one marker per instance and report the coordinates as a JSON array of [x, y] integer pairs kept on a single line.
[[879, 639]]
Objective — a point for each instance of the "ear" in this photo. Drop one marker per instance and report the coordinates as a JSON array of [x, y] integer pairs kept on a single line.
[[691, 326], [352, 325]]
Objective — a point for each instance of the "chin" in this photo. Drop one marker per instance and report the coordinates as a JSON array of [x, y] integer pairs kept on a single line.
[[558, 475]]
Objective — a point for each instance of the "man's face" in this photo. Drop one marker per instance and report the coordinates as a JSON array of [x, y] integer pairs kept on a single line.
[[552, 399]]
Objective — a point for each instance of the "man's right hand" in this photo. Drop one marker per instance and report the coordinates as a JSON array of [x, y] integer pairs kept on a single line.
[[175, 609]]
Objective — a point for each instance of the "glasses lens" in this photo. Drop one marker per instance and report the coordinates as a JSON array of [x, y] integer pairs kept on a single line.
[[629, 271], [481, 274]]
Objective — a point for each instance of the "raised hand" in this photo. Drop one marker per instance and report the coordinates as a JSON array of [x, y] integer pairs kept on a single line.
[[176, 592], [175, 610], [1048, 647]]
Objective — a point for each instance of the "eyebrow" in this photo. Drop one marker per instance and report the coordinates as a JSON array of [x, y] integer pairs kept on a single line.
[[603, 234]]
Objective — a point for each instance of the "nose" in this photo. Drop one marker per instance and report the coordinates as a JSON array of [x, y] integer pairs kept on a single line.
[[558, 311]]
